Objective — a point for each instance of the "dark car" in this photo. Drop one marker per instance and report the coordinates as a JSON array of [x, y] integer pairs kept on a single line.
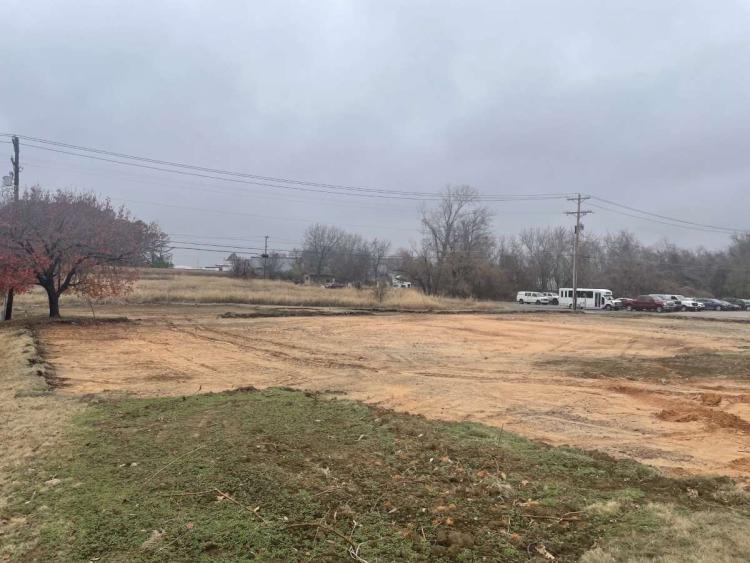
[[649, 303], [727, 306], [622, 303], [717, 304], [743, 304]]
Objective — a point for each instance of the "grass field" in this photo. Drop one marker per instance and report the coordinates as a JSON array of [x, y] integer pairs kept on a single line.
[[282, 475], [129, 458], [176, 286]]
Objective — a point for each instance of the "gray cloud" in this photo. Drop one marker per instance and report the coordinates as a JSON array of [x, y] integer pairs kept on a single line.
[[645, 103]]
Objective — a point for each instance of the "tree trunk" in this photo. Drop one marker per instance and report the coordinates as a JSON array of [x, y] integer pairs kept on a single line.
[[54, 302]]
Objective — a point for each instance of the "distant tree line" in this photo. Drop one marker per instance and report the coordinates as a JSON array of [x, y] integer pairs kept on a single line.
[[459, 255], [331, 251], [327, 252]]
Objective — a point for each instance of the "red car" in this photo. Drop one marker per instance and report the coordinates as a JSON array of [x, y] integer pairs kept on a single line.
[[647, 303]]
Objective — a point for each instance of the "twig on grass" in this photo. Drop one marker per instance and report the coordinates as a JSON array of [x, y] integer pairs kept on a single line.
[[354, 554], [328, 490], [187, 494], [254, 511], [567, 517], [175, 460], [326, 528]]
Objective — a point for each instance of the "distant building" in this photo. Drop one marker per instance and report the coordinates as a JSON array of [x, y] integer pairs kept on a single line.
[[223, 267], [398, 280]]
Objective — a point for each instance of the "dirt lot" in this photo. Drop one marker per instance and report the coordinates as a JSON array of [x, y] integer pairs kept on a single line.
[[670, 392]]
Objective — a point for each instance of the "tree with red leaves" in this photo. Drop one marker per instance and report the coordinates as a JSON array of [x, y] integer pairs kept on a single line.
[[14, 273], [73, 241]]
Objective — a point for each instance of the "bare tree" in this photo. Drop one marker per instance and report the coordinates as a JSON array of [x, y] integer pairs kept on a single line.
[[274, 264], [345, 256], [160, 255], [241, 267], [456, 240], [320, 243], [378, 254]]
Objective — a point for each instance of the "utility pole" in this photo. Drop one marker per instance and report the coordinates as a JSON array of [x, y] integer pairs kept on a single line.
[[578, 228], [8, 308], [265, 257]]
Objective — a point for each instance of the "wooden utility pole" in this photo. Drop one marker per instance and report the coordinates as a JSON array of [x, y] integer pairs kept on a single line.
[[265, 257], [8, 308], [578, 228]]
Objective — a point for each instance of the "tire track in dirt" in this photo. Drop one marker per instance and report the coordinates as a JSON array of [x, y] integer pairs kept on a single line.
[[272, 349], [479, 368]]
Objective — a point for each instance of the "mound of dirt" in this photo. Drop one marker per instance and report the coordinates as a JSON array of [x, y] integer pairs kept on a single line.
[[714, 418], [711, 399], [678, 415], [740, 464]]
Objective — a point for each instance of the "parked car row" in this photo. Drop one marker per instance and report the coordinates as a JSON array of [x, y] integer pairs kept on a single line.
[[665, 302], [602, 299]]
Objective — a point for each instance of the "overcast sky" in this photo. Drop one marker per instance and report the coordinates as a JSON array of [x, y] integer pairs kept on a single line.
[[645, 103]]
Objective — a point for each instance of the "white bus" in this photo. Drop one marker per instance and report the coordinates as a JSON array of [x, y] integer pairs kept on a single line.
[[587, 298]]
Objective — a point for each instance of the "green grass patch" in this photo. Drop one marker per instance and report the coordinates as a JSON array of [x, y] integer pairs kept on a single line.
[[282, 475]]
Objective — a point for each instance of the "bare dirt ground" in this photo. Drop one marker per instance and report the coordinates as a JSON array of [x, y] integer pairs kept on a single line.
[[673, 393]]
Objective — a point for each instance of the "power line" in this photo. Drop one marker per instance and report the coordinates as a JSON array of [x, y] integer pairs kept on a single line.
[[679, 225], [238, 191], [212, 170], [254, 215], [213, 250], [241, 239], [667, 218], [233, 191], [335, 189], [230, 246], [234, 176], [225, 179]]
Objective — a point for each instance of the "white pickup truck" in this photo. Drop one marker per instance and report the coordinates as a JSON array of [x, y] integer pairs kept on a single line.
[[532, 297], [686, 303]]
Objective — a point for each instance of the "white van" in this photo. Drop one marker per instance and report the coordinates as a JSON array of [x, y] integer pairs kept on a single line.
[[587, 298], [532, 297]]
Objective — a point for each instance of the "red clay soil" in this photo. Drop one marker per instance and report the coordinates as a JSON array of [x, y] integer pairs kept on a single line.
[[489, 369]]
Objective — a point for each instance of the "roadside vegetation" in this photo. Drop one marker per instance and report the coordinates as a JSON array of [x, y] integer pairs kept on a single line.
[[163, 286]]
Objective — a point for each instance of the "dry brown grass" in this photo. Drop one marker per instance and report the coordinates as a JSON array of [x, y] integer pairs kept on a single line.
[[683, 537], [31, 421], [174, 286]]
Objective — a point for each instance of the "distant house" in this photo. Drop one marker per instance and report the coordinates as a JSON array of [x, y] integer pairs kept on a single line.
[[223, 267], [398, 280]]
